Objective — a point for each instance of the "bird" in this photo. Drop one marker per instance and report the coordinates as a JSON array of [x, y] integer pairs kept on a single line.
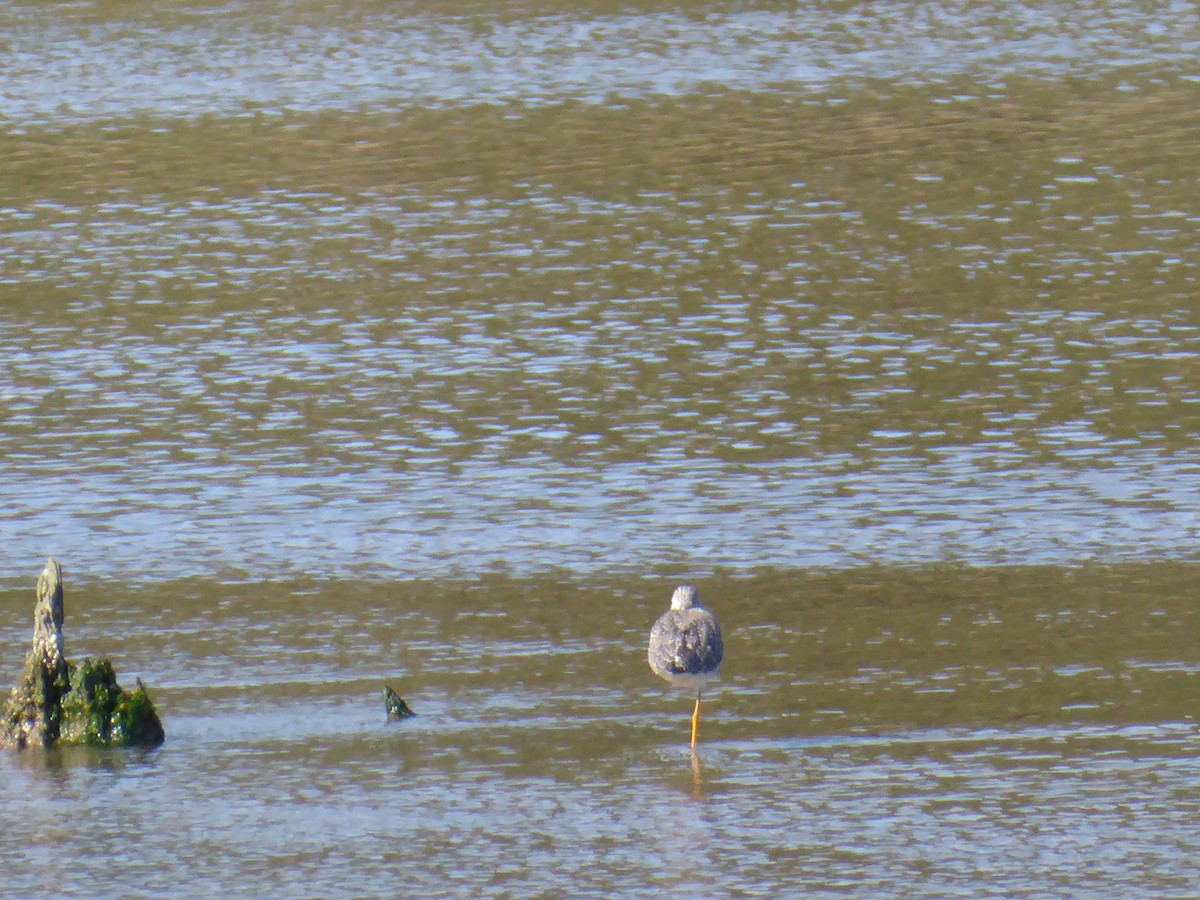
[[685, 646]]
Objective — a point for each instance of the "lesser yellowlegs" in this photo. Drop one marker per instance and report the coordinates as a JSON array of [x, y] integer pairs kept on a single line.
[[685, 646]]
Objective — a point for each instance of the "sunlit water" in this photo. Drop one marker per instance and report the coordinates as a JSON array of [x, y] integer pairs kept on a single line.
[[449, 409], [351, 346], [240, 56], [873, 735]]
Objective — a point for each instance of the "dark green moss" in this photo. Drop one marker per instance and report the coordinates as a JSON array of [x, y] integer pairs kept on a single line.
[[96, 711], [135, 722]]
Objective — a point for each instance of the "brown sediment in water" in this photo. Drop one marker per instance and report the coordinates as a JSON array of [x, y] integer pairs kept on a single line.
[[737, 138]]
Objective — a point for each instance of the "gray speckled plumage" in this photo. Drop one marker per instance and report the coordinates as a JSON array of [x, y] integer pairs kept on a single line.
[[685, 642]]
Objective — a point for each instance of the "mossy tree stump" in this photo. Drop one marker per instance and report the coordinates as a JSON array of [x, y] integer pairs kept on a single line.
[[56, 702]]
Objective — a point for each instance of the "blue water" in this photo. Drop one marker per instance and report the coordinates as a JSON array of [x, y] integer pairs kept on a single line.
[[242, 57]]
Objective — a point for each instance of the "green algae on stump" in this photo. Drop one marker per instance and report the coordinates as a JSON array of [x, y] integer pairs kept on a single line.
[[96, 711], [58, 703]]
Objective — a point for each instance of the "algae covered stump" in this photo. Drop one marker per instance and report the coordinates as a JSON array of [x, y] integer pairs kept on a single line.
[[59, 703]]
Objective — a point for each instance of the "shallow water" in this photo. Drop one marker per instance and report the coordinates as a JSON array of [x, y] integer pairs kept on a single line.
[[429, 395], [353, 344], [947, 731], [92, 61]]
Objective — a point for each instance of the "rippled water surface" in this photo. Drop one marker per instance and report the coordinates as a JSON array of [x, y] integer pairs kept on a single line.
[[946, 732], [87, 61], [419, 385], [346, 344]]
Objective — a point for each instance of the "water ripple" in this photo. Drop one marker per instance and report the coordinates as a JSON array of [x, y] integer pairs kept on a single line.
[[477, 412], [62, 65]]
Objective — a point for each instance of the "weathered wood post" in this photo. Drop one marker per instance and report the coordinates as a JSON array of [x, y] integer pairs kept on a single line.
[[35, 708]]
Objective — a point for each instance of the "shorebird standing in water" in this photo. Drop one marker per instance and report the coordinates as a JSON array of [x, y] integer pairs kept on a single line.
[[685, 646]]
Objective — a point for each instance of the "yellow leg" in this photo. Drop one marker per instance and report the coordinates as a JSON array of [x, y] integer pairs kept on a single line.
[[695, 720]]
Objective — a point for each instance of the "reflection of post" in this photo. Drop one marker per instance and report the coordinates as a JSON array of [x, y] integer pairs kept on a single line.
[[697, 777]]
